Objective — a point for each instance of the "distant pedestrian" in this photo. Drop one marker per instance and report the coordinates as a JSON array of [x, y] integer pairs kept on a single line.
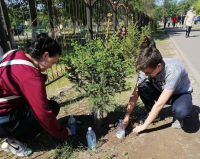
[[179, 21], [169, 19], [165, 21], [21, 28], [182, 20], [174, 20], [189, 20]]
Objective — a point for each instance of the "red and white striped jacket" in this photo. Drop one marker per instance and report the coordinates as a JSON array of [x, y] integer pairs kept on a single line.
[[22, 84]]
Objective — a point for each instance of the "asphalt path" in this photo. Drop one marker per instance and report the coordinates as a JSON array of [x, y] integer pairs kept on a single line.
[[189, 48]]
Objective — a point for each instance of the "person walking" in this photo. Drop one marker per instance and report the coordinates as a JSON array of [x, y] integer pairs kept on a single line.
[[174, 20], [189, 21], [21, 28], [182, 20], [165, 21], [24, 108], [169, 19], [179, 21], [160, 81]]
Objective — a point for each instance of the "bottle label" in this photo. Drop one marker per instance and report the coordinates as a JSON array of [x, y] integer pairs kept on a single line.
[[89, 141], [73, 130], [120, 134]]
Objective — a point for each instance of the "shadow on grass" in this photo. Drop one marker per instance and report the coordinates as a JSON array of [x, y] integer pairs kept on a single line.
[[68, 102]]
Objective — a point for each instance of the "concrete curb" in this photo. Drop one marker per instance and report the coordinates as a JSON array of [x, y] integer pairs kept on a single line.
[[192, 69]]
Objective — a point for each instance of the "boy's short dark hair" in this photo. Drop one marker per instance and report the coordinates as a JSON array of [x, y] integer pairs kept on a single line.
[[149, 57]]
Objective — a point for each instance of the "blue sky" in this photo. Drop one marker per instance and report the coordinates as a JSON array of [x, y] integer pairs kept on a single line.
[[160, 2]]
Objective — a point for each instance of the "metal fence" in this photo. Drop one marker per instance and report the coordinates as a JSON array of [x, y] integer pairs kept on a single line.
[[64, 20]]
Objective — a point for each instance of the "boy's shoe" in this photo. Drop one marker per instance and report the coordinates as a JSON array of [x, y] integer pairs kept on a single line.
[[16, 147], [158, 118], [177, 124]]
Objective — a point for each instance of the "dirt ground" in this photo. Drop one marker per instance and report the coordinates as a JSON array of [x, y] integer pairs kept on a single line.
[[159, 141]]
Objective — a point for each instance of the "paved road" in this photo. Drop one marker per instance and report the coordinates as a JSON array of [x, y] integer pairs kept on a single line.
[[189, 48]]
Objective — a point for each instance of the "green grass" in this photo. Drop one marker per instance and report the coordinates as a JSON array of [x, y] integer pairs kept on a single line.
[[57, 86], [160, 35], [197, 27]]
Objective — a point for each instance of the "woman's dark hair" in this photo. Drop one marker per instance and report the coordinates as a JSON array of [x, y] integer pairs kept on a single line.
[[42, 44], [149, 57]]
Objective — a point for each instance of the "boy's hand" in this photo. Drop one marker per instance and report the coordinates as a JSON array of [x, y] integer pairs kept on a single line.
[[69, 132], [126, 121], [138, 129]]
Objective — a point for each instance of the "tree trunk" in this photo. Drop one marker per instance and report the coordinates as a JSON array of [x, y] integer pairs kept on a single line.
[[98, 118], [33, 13]]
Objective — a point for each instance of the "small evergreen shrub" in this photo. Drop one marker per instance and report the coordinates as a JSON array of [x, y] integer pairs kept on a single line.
[[99, 69]]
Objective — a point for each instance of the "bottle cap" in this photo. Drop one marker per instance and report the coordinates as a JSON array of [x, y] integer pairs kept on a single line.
[[89, 128], [71, 115], [120, 120]]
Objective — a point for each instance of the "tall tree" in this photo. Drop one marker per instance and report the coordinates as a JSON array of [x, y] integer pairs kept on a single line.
[[197, 7]]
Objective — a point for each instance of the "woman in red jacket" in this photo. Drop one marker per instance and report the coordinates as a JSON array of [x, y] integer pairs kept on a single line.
[[24, 108]]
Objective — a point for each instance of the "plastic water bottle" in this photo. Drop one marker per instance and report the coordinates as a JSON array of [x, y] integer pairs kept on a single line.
[[120, 130], [72, 124], [91, 139]]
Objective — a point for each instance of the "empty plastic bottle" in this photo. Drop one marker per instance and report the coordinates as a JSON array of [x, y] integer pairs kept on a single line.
[[120, 129], [91, 139], [72, 124]]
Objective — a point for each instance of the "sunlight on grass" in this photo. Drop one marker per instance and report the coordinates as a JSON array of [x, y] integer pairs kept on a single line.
[[57, 86], [159, 35]]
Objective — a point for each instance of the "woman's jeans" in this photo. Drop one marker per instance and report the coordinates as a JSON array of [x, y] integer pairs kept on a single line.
[[188, 29], [22, 124], [181, 103]]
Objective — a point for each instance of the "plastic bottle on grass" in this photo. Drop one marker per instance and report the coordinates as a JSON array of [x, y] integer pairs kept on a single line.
[[72, 124], [120, 129], [91, 139]]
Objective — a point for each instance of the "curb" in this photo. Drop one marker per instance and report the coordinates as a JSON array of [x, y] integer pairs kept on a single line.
[[192, 69]]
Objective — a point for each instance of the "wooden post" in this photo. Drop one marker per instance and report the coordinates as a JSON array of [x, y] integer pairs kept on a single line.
[[7, 21], [89, 19], [115, 16], [133, 16], [33, 13], [50, 8], [126, 21], [3, 41]]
